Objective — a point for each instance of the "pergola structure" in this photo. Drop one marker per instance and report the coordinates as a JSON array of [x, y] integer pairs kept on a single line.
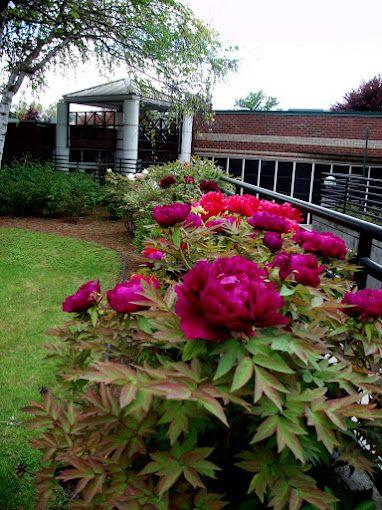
[[125, 99]]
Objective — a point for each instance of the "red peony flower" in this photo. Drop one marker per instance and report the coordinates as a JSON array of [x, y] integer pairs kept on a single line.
[[245, 205], [273, 241], [167, 181], [212, 204], [268, 221], [193, 221], [285, 210], [367, 304], [224, 296], [85, 297], [188, 179], [170, 215], [208, 185], [303, 268], [324, 243], [123, 296], [152, 253]]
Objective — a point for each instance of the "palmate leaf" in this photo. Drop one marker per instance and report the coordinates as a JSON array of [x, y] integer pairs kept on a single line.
[[319, 421], [267, 384], [243, 373], [286, 431], [230, 352], [169, 466], [266, 358]]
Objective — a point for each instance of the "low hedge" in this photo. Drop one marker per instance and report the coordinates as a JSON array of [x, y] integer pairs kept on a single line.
[[35, 189]]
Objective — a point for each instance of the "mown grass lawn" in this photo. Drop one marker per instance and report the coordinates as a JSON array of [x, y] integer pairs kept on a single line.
[[36, 272]]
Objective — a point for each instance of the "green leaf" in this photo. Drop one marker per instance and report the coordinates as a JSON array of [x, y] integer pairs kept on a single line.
[[176, 236], [287, 291], [266, 383], [366, 505], [144, 325], [273, 362], [193, 348], [243, 373], [230, 352], [93, 312], [259, 483], [168, 478]]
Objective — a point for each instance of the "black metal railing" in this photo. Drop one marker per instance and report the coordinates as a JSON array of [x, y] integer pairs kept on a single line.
[[351, 194], [367, 231]]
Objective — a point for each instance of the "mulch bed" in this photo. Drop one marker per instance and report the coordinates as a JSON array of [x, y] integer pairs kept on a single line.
[[111, 234]]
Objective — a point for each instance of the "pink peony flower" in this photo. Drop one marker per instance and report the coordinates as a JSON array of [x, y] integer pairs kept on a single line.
[[152, 253], [367, 304], [273, 241], [170, 215], [324, 243], [285, 210], [224, 296], [303, 268], [193, 221], [269, 221], [85, 297], [245, 205], [208, 185], [188, 179], [220, 223], [123, 296], [212, 204], [167, 181]]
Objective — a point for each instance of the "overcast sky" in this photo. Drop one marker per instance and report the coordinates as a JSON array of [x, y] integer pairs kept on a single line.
[[307, 54]]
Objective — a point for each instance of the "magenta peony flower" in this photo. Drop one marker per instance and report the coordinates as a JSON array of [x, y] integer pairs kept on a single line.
[[268, 221], [167, 181], [273, 241], [303, 268], [170, 215], [123, 296], [152, 253], [85, 297], [224, 296], [367, 304], [193, 221], [324, 243], [188, 179], [208, 185]]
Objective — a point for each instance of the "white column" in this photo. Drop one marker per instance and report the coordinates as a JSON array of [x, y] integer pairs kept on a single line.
[[119, 140], [130, 130], [62, 148], [185, 151]]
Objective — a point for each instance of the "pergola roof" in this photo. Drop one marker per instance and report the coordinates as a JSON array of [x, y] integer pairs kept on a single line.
[[112, 95]]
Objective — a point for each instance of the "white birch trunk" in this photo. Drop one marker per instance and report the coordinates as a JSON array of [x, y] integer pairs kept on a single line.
[[14, 83], [5, 108]]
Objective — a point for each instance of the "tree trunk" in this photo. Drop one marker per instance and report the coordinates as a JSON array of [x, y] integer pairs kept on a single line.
[[5, 107], [14, 83]]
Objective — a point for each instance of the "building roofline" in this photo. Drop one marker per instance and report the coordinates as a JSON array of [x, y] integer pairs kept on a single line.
[[299, 112]]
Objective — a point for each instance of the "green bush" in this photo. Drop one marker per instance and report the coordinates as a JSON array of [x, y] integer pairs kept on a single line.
[[35, 189]]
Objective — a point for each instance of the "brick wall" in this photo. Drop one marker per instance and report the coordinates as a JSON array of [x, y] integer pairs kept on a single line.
[[306, 135]]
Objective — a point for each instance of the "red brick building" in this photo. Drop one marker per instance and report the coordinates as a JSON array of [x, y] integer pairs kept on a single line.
[[289, 151]]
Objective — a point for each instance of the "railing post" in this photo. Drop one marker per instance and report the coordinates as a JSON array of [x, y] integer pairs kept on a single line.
[[365, 243]]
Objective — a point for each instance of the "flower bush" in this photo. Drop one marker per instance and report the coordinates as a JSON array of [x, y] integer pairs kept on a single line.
[[134, 200], [240, 369]]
